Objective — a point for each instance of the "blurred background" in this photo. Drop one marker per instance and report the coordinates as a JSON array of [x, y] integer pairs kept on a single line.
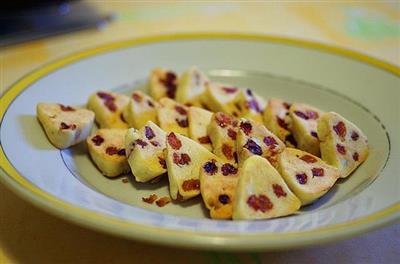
[[34, 32]]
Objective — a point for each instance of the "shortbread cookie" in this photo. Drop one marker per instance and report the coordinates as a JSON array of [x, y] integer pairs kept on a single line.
[[184, 158], [191, 87], [108, 108], [163, 83], [65, 125], [140, 110], [262, 193], [107, 149], [255, 139], [199, 119], [307, 175], [222, 98], [218, 182], [145, 152], [173, 117], [343, 144]]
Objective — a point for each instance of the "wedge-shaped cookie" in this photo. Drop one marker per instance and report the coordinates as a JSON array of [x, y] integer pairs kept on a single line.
[[108, 108], [107, 149], [218, 182], [145, 152], [255, 139], [304, 127], [163, 83], [140, 110], [199, 119], [191, 87], [343, 144], [251, 105], [222, 131], [173, 117], [222, 98], [65, 125], [184, 158], [262, 193], [307, 175]]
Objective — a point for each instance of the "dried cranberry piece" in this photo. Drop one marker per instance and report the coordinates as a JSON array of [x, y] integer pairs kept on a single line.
[[66, 126], [286, 105], [150, 103], [180, 110], [141, 143], [281, 122], [318, 172], [253, 104], [308, 158], [249, 92], [173, 141], [150, 199], [121, 152], [111, 150], [149, 133], [137, 97], [66, 108], [227, 151], [163, 201], [340, 129], [170, 84], [354, 136], [341, 149], [97, 140], [210, 167], [183, 159], [190, 185], [204, 140], [301, 178], [253, 147], [230, 90], [182, 122], [278, 190], [105, 96], [314, 134], [312, 114], [162, 162], [110, 105], [228, 168], [301, 115], [155, 143], [290, 139], [232, 133], [260, 203], [355, 156], [222, 119], [270, 142], [223, 198], [246, 127]]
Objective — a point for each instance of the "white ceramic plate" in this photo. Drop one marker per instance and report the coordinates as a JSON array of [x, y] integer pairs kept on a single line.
[[66, 183]]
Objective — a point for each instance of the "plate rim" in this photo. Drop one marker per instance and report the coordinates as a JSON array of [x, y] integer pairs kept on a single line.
[[188, 239]]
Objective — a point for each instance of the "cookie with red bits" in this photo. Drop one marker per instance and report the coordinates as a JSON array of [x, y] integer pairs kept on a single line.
[[163, 83], [140, 109], [219, 97], [343, 144], [251, 105], [191, 86], [173, 116]]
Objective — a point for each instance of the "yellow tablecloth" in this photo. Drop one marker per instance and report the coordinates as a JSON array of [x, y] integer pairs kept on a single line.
[[29, 235]]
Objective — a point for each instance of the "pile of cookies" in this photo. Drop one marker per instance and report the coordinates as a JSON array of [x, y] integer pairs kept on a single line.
[[247, 158]]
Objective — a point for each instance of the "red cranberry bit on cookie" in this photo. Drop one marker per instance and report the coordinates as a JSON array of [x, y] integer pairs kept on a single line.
[[355, 156], [318, 172], [183, 159], [204, 140], [340, 129], [141, 143], [230, 90], [110, 105], [111, 150], [163, 201], [66, 126], [162, 162], [105, 96], [286, 105], [228, 169], [227, 151], [246, 127], [261, 202], [182, 122], [253, 147], [149, 133], [281, 122], [301, 115], [301, 178], [137, 97], [150, 103], [150, 199], [173, 141], [210, 167], [278, 190], [314, 134], [170, 84], [66, 108], [155, 143], [341, 149], [232, 133], [270, 142], [308, 158], [121, 152], [312, 114], [223, 198], [354, 136], [222, 119], [180, 110], [97, 140], [190, 185]]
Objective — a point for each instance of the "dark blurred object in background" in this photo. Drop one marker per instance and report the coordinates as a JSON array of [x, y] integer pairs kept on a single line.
[[23, 20]]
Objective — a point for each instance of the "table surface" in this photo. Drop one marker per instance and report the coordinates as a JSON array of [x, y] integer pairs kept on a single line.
[[29, 235]]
